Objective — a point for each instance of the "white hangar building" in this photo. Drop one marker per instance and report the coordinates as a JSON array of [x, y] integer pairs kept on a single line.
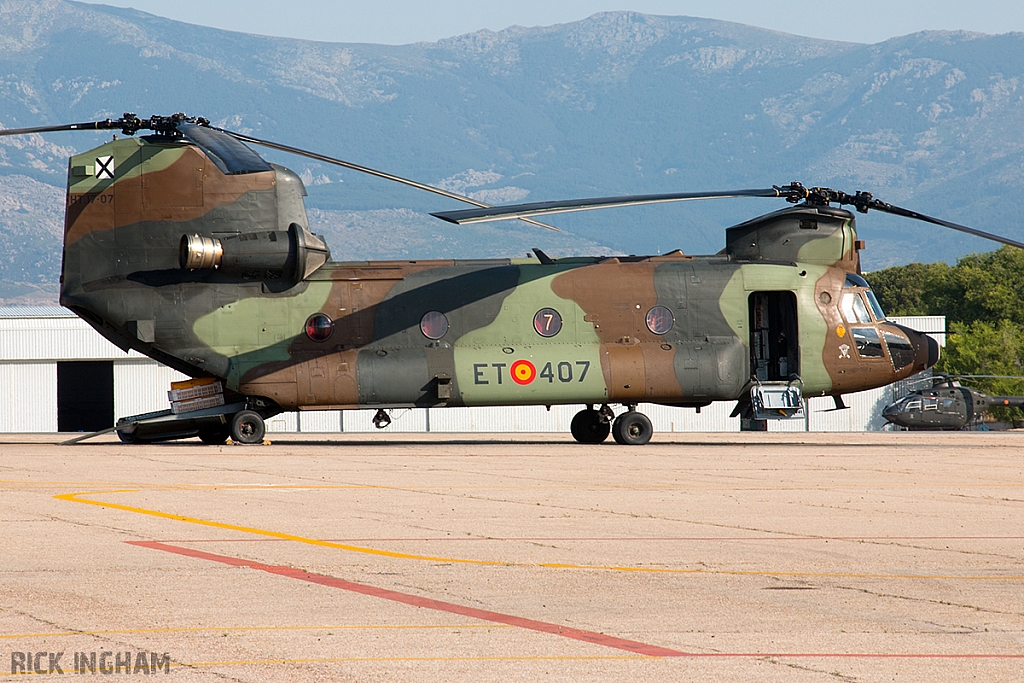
[[58, 374]]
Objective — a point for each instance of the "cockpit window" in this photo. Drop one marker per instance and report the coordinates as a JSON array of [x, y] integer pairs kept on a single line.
[[854, 309], [867, 341], [913, 405], [854, 280], [900, 350]]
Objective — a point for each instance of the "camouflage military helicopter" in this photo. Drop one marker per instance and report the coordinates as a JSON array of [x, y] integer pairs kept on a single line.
[[187, 246], [946, 405]]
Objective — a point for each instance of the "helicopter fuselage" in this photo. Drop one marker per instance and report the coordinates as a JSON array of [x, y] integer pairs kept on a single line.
[[945, 408], [208, 266]]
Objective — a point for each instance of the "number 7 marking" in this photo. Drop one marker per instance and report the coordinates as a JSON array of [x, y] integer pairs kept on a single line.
[[586, 366]]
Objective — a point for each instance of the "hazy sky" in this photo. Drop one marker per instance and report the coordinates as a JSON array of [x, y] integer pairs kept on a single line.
[[408, 21]]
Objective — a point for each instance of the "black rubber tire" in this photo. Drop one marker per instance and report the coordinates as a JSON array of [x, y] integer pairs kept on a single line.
[[587, 427], [216, 436], [127, 437], [632, 429], [247, 427]]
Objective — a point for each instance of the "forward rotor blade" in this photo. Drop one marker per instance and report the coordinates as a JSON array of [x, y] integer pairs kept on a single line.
[[368, 170], [504, 213], [865, 201], [907, 213], [90, 125]]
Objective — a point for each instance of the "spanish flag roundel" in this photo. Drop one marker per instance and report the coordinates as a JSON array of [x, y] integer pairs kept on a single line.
[[523, 372]]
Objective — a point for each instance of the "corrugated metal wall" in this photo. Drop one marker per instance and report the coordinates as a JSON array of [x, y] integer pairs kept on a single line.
[[55, 338], [140, 386], [28, 397]]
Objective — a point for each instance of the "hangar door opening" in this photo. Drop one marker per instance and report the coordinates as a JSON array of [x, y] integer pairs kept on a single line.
[[85, 395]]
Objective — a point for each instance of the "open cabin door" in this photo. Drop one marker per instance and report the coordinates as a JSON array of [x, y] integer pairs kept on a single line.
[[774, 339]]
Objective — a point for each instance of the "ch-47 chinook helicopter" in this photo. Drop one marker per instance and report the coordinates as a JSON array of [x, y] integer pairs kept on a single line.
[[946, 405], [186, 246]]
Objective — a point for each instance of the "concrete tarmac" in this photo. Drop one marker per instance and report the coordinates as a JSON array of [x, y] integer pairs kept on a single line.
[[369, 557]]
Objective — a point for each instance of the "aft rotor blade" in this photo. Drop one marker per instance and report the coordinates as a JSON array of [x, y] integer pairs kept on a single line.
[[504, 213], [370, 171], [90, 125], [907, 213]]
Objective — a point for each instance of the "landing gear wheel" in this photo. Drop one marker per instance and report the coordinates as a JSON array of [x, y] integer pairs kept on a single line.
[[588, 427], [247, 427], [632, 429], [216, 436]]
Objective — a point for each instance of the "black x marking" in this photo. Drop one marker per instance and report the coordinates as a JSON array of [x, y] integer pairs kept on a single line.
[[104, 167]]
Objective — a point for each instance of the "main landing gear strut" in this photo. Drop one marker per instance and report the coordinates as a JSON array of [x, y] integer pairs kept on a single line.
[[591, 426]]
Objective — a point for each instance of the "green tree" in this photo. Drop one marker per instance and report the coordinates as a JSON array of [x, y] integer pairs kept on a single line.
[[914, 289], [992, 286], [986, 287]]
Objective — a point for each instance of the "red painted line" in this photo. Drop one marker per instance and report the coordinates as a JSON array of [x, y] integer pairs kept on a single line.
[[428, 603], [533, 625]]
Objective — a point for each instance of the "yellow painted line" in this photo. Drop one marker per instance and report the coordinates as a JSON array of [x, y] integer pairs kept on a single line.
[[76, 498], [225, 629]]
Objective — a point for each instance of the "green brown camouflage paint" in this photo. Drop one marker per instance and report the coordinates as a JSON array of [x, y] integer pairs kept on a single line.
[[121, 273]]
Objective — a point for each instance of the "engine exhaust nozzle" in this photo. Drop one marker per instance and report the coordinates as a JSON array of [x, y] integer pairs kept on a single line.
[[197, 253]]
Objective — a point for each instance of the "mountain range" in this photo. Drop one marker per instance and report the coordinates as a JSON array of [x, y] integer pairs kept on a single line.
[[617, 103]]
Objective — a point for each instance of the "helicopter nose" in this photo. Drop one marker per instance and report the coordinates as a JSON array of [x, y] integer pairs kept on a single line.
[[926, 349]]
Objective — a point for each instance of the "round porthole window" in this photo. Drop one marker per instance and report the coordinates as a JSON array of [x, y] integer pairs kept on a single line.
[[547, 322], [319, 327], [433, 324], [660, 320]]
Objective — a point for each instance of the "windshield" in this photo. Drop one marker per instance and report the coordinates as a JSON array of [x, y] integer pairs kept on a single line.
[[854, 280], [876, 308], [854, 309]]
